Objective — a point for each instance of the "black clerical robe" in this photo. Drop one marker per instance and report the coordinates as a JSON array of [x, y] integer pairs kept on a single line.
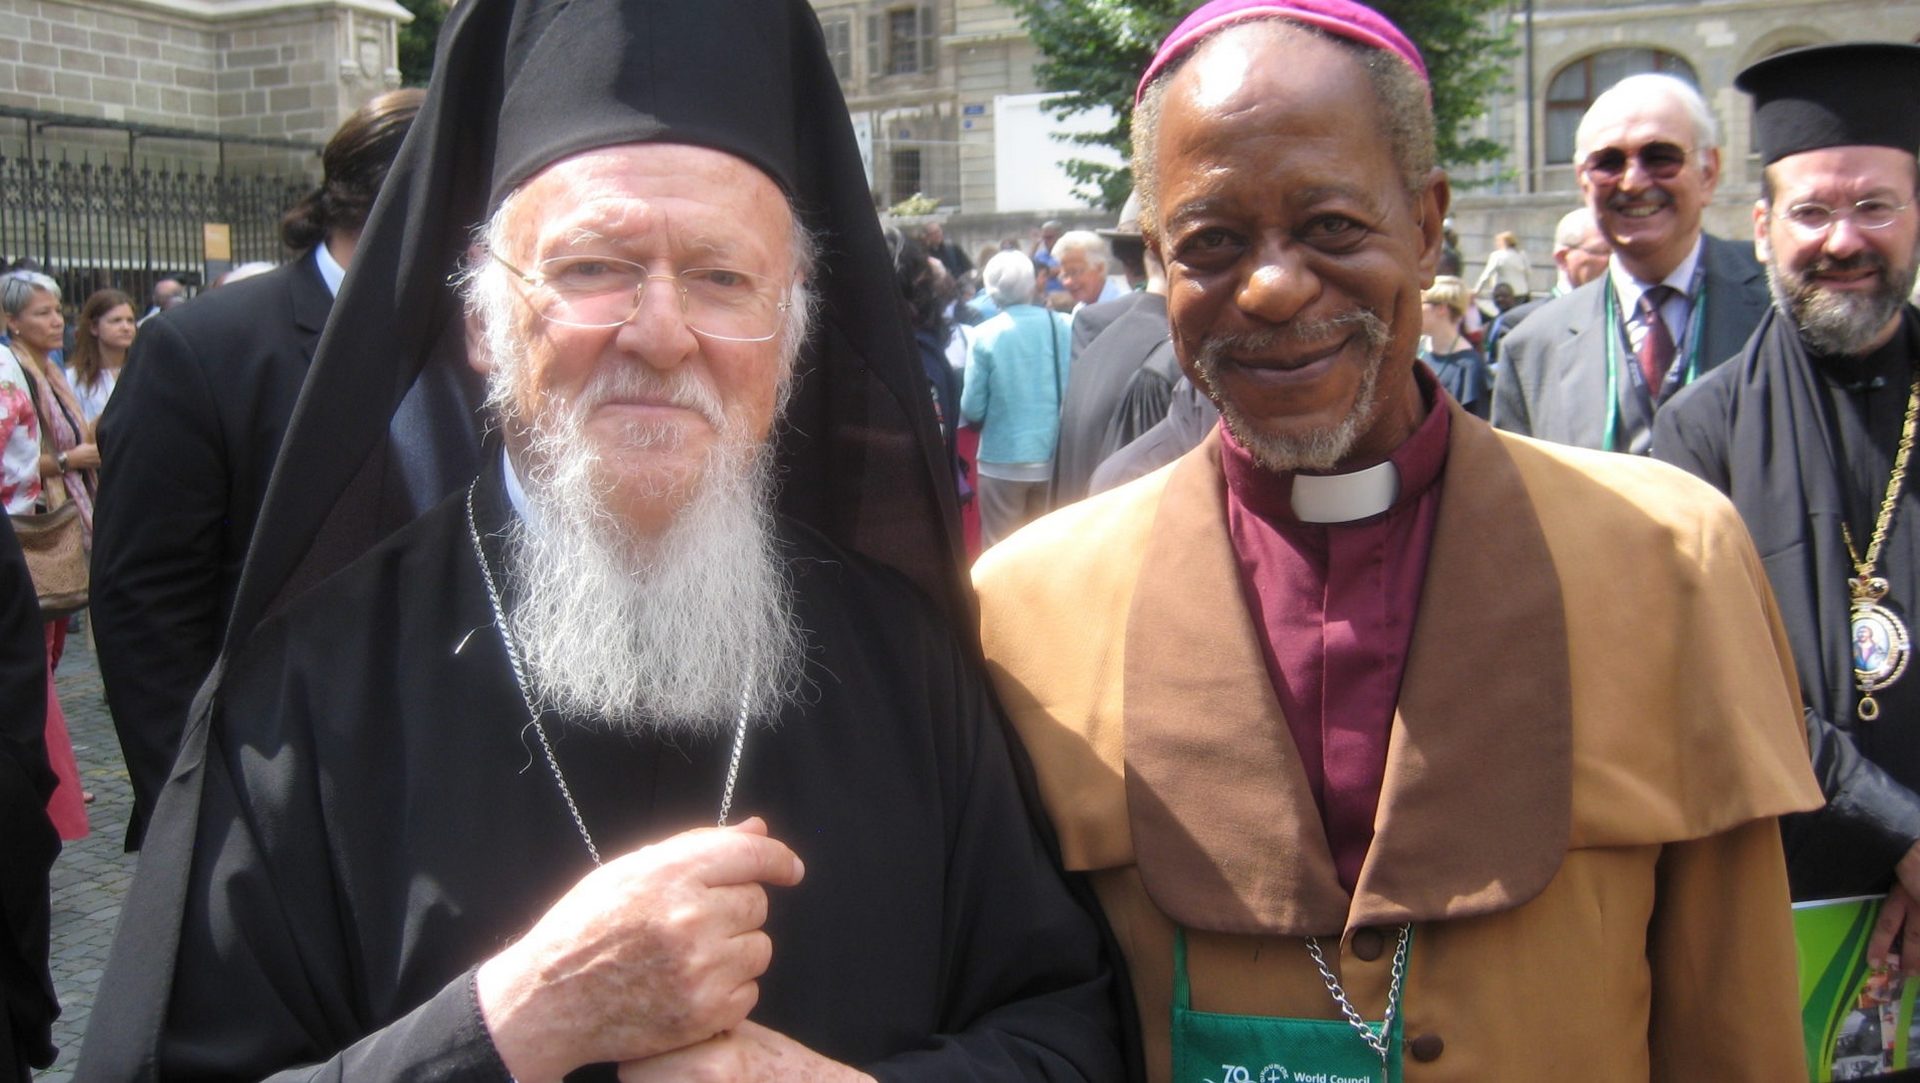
[[1121, 384], [374, 820], [1802, 444], [28, 843]]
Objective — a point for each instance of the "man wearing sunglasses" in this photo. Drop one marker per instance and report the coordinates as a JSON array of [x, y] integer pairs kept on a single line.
[[1807, 431], [1593, 367]]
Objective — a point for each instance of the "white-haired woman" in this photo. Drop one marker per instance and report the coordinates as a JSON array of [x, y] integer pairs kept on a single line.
[[67, 458], [1016, 380], [47, 458]]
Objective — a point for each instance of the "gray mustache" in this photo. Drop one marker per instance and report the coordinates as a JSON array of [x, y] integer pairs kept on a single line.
[[1303, 332]]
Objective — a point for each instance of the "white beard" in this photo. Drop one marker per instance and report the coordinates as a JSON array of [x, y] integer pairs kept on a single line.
[[1318, 449], [674, 634]]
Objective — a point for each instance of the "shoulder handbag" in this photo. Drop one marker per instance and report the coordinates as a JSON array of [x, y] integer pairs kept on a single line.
[[51, 539], [55, 558]]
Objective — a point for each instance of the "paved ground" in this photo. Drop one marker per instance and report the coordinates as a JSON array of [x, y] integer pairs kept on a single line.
[[91, 876]]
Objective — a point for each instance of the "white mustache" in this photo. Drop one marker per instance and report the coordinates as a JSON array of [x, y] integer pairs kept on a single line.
[[631, 382]]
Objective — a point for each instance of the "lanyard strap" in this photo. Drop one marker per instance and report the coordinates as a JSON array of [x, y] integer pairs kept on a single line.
[[1182, 997], [1617, 331], [1378, 1042]]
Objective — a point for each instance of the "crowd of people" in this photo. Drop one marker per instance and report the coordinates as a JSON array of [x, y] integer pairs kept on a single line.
[[548, 638]]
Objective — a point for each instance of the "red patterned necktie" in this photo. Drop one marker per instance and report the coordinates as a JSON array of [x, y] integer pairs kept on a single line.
[[1656, 346]]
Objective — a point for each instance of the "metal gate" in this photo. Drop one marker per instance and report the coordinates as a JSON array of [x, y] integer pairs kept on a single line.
[[94, 208]]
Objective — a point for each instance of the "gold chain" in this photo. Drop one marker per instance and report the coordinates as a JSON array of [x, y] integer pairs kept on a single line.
[[1863, 565]]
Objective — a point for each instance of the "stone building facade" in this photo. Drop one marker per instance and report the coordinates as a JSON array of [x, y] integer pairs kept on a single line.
[[898, 79], [140, 137], [942, 115], [923, 81], [284, 69], [1577, 48]]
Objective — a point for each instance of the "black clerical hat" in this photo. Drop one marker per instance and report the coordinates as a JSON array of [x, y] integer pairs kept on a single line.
[[517, 85], [1856, 94]]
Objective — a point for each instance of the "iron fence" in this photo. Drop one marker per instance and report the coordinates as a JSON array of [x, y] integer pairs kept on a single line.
[[94, 215]]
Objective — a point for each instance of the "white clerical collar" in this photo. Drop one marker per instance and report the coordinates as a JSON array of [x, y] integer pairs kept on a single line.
[[516, 495], [330, 270], [1344, 498]]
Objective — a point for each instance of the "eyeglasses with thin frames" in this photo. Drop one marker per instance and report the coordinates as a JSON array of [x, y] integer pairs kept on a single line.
[[606, 291], [1814, 220], [1660, 160]]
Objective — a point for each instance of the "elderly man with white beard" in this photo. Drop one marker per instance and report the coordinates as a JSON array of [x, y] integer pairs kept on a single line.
[[451, 814]]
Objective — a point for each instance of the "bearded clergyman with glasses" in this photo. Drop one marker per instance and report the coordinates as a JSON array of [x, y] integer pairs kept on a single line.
[[1594, 367], [652, 752], [1809, 431]]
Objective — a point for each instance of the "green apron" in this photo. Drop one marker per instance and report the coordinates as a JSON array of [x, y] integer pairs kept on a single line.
[[1210, 1047]]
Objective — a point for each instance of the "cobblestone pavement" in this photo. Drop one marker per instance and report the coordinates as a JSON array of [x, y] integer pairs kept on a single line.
[[92, 874]]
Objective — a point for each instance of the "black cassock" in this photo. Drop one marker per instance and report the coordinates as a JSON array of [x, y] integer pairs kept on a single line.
[[1801, 444], [376, 820], [1119, 387], [28, 843]]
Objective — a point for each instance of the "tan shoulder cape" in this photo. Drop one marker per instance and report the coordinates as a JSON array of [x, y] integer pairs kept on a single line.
[[1597, 665]]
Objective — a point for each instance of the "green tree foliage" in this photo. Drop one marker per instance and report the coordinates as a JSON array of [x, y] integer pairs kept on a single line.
[[419, 38], [1095, 51]]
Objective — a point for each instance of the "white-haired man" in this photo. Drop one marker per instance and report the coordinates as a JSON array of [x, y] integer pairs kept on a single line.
[[452, 813], [1084, 258], [1580, 250], [1593, 367]]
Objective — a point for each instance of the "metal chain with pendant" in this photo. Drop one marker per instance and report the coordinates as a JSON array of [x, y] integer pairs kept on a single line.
[[1881, 645], [1380, 1043], [540, 731]]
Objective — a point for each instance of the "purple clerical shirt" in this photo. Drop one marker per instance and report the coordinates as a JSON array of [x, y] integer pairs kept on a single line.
[[1335, 604]]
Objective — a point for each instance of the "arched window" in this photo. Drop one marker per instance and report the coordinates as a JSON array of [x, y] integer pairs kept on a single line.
[[1577, 84]]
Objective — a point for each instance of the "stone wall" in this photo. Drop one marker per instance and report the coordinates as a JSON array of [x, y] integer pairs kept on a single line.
[[991, 56], [986, 53], [281, 69], [1717, 38]]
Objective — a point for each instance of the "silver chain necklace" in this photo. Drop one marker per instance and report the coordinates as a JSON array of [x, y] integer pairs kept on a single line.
[[1379, 1043], [533, 713]]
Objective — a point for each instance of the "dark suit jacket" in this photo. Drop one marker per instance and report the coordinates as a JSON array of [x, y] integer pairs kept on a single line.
[[1552, 381], [28, 843], [1505, 323], [187, 443], [1117, 389], [953, 257], [1090, 321], [1190, 417]]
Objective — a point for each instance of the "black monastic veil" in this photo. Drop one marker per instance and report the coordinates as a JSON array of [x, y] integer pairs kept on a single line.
[[1802, 445], [518, 86]]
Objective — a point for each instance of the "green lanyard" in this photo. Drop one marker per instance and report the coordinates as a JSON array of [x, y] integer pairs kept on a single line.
[[1615, 332], [1216, 1047]]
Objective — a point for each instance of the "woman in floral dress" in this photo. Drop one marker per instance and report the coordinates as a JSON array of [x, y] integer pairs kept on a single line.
[[39, 462]]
